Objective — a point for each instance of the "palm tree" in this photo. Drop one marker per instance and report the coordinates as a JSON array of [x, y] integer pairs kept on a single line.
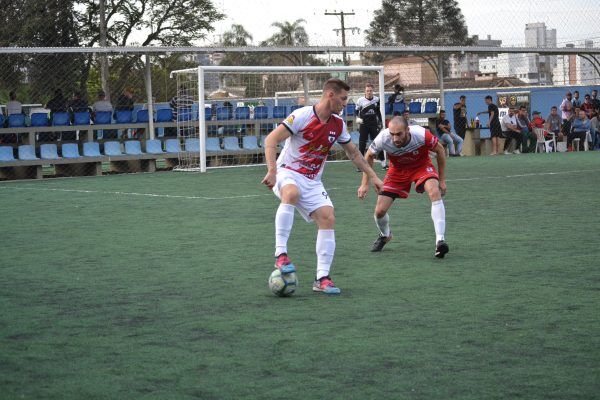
[[237, 36], [290, 34]]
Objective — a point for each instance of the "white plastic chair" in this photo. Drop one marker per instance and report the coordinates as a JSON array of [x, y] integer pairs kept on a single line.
[[542, 141]]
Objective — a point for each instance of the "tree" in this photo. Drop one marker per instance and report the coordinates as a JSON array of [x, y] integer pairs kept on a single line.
[[290, 34], [418, 23]]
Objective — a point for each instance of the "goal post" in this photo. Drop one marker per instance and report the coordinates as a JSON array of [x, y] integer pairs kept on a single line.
[[234, 107]]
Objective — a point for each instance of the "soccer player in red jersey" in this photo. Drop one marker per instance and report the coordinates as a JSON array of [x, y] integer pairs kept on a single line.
[[408, 149], [295, 177]]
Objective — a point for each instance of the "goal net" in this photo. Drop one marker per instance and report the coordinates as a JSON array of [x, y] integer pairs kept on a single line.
[[223, 114]]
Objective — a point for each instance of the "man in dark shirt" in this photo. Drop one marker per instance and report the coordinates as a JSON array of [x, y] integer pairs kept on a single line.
[[495, 127], [460, 116], [367, 108], [125, 101], [396, 97]]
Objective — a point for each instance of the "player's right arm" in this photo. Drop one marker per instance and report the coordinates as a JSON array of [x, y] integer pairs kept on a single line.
[[364, 185], [277, 136]]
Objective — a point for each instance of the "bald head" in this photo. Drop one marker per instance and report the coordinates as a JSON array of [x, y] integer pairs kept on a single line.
[[397, 123]]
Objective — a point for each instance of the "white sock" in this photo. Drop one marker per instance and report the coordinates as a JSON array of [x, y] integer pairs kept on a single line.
[[383, 224], [438, 215], [284, 219], [325, 250]]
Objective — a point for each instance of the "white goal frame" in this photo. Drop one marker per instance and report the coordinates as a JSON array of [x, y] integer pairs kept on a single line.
[[201, 70]]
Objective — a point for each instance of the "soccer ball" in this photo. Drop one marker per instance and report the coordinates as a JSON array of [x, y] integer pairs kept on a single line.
[[283, 285]]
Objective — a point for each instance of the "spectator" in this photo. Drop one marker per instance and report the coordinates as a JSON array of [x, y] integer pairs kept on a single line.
[[595, 129], [77, 104], [554, 123], [594, 100], [13, 106], [587, 105], [125, 100], [396, 97], [512, 131], [446, 136], [566, 108], [529, 138], [576, 101], [182, 102], [57, 104], [537, 121], [494, 125], [581, 126], [407, 118], [101, 105], [460, 116]]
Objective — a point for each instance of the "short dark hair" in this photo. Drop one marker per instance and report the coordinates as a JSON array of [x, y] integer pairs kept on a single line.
[[577, 91], [462, 97], [335, 84], [398, 86], [369, 85], [522, 108], [442, 111], [554, 108], [12, 95], [488, 97]]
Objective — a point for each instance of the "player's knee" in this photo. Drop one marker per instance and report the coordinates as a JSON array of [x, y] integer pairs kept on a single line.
[[380, 213], [434, 193], [290, 194]]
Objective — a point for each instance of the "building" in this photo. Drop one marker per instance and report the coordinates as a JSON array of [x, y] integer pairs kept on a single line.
[[467, 66], [409, 71], [572, 69], [536, 35]]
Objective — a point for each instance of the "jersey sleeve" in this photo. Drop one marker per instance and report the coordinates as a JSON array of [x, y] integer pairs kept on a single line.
[[293, 122], [377, 144], [344, 136], [430, 140]]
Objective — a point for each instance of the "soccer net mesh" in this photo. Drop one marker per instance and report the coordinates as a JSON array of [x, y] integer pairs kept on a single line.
[[223, 114]]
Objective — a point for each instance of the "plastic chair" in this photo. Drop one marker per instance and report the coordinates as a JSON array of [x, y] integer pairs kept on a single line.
[[123, 116], [81, 118], [193, 145], [294, 108], [415, 107], [39, 119], [250, 143], [185, 114], [49, 152], [1, 120], [350, 110], [143, 116], [399, 108], [27, 152], [70, 150], [61, 119], [91, 149], [223, 113], [212, 144], [261, 112], [231, 143], [112, 149], [355, 135], [279, 112], [431, 107], [164, 115], [16, 121], [133, 147], [207, 113], [6, 153], [103, 117], [154, 146], [242, 113], [542, 141], [173, 146]]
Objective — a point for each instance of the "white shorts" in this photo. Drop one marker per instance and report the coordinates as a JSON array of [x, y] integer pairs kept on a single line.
[[312, 193]]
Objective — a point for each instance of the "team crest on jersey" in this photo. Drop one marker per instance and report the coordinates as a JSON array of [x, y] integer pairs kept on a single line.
[[290, 120], [331, 136]]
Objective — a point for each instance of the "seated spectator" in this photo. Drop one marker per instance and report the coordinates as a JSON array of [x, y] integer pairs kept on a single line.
[[396, 97], [529, 138], [101, 105], [406, 116], [594, 100], [554, 123], [446, 136], [56, 104], [537, 121], [580, 128], [183, 101], [125, 100], [77, 104], [13, 106], [595, 129], [512, 131], [587, 105]]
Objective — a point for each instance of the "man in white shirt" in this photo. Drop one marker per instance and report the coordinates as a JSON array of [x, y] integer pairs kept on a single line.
[[13, 106], [512, 131], [102, 104]]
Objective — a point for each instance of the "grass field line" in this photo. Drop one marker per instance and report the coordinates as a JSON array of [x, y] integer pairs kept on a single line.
[[175, 196]]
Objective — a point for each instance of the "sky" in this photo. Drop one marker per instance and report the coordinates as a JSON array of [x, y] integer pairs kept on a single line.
[[573, 19]]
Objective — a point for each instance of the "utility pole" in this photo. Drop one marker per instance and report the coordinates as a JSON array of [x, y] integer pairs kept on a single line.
[[343, 29], [103, 58]]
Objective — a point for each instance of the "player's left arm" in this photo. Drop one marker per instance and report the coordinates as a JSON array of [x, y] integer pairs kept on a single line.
[[441, 162], [360, 162]]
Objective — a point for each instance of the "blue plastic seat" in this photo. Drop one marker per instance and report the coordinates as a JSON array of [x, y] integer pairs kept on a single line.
[[262, 140], [61, 119], [173, 145], [39, 119], [294, 108], [350, 110], [355, 135], [223, 113], [123, 116], [164, 115], [1, 120], [27, 152], [279, 112], [154, 147], [143, 116], [6, 153], [212, 144], [192, 144], [431, 107], [91, 149], [207, 113], [415, 107], [16, 121], [133, 147], [81, 118], [70, 150], [231, 143], [185, 114], [242, 113], [250, 143], [196, 111], [261, 112], [112, 148], [49, 152], [103, 117], [399, 108]]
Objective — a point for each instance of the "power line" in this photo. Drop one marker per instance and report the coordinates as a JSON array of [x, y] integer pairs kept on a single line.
[[343, 29]]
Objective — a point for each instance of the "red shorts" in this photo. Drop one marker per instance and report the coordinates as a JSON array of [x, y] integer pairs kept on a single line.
[[399, 181]]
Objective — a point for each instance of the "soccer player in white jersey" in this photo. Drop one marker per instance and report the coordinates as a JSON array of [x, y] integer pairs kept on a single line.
[[407, 148], [309, 132]]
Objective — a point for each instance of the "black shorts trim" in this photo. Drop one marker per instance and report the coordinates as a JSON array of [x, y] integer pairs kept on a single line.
[[392, 195]]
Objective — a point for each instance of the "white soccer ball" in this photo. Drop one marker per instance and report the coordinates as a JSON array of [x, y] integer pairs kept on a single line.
[[283, 285]]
